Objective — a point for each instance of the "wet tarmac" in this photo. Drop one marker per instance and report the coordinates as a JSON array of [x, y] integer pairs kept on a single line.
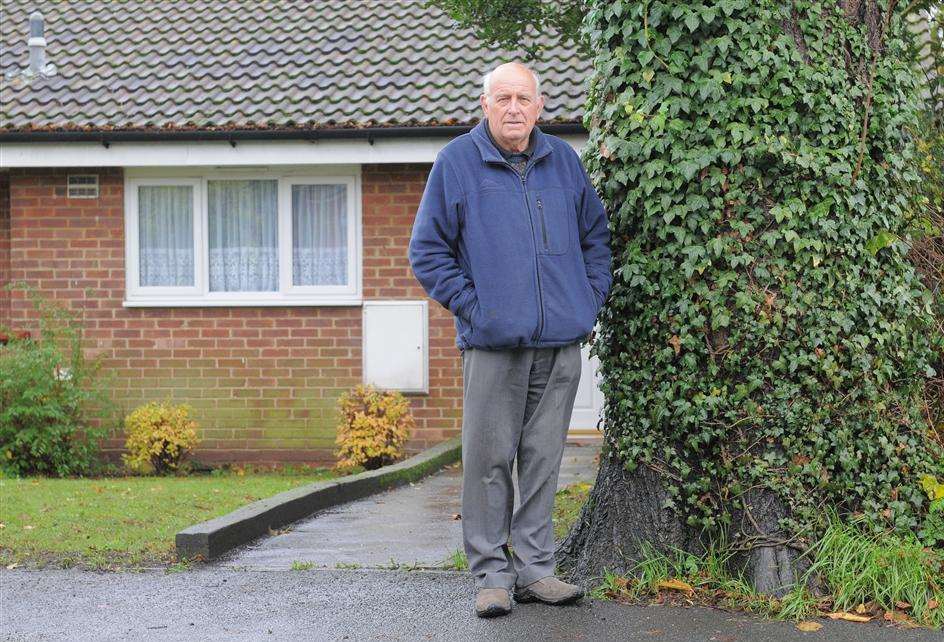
[[215, 604], [415, 524]]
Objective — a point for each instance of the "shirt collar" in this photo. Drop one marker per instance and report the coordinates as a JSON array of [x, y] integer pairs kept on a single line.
[[504, 152], [489, 151]]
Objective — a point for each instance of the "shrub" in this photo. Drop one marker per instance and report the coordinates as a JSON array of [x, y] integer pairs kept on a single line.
[[373, 427], [159, 435], [48, 391]]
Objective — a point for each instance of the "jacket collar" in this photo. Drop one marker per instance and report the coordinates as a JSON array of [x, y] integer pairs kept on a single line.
[[491, 154]]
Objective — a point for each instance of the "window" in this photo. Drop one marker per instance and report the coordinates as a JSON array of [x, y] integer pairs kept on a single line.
[[226, 238]]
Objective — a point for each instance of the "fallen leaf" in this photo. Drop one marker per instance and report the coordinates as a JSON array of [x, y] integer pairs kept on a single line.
[[932, 604], [902, 605], [900, 618], [676, 343], [809, 626], [676, 585], [850, 617]]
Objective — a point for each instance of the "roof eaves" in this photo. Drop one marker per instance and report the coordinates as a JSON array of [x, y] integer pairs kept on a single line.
[[107, 136]]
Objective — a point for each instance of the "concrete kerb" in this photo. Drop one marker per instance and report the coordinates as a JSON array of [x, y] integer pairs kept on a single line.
[[212, 538]]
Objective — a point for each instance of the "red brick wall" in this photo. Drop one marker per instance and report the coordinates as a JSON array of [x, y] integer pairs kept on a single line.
[[263, 381], [4, 248], [391, 196]]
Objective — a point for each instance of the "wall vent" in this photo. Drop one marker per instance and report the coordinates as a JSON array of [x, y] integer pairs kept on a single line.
[[83, 186]]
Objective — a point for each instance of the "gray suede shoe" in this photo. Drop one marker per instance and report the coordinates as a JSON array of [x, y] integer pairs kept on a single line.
[[549, 590], [490, 602]]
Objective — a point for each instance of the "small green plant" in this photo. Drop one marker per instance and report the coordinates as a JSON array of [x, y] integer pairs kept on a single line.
[[302, 566], [891, 570], [798, 604], [611, 585], [347, 565], [54, 404], [180, 566], [159, 436], [457, 561], [373, 427]]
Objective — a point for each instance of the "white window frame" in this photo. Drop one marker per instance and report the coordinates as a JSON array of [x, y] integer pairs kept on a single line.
[[199, 294]]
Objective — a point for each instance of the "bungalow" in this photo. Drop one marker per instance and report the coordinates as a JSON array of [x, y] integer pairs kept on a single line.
[[224, 192]]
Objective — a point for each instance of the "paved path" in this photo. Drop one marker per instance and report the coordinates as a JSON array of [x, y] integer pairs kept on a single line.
[[216, 603], [413, 525]]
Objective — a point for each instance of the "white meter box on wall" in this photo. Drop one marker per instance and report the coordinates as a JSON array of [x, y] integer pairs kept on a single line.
[[396, 345]]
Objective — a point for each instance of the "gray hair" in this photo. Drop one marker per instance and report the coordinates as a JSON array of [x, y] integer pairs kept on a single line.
[[487, 83]]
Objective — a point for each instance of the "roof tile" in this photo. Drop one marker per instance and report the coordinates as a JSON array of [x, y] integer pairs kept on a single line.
[[220, 63]]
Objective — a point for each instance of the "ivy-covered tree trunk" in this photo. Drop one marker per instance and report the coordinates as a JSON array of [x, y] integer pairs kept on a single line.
[[764, 344]]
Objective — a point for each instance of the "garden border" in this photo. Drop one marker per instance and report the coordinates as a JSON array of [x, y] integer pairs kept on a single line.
[[212, 538]]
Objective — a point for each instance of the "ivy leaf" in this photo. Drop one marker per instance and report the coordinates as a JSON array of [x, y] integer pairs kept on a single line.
[[880, 241], [820, 209]]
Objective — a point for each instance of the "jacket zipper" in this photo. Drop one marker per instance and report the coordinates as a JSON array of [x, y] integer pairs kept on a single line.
[[537, 271], [543, 226], [536, 336]]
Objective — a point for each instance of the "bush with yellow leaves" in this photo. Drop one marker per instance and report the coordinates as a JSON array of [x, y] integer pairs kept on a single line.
[[159, 435], [373, 427]]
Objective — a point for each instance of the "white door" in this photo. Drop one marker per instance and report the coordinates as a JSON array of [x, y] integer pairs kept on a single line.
[[588, 406]]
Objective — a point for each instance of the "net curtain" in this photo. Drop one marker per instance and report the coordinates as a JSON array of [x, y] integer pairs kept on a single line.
[[243, 235]]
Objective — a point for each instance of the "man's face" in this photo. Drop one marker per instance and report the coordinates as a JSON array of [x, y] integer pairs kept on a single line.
[[513, 108]]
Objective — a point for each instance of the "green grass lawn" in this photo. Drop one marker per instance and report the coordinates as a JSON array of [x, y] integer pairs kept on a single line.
[[130, 522], [567, 504], [121, 522]]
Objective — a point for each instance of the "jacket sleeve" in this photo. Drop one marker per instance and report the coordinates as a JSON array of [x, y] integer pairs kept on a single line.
[[433, 244], [594, 236]]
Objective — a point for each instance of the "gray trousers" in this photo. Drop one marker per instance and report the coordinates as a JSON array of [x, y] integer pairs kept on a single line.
[[516, 403]]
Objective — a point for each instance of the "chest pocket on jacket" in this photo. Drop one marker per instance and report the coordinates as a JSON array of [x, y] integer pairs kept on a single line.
[[557, 218]]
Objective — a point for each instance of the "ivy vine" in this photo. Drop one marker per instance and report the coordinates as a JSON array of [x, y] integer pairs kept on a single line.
[[764, 328]]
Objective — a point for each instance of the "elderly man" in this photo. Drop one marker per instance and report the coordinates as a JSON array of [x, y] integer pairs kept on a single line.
[[512, 238]]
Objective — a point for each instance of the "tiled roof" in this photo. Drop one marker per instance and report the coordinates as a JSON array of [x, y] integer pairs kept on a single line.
[[221, 64]]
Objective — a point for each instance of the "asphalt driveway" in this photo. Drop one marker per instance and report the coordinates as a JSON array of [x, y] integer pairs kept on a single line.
[[219, 603]]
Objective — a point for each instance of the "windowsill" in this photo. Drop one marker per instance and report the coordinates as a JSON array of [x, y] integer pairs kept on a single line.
[[216, 303]]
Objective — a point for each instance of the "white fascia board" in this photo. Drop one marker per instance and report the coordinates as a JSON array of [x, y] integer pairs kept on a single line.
[[221, 153]]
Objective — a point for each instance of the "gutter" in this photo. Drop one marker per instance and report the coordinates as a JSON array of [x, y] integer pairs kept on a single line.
[[234, 135]]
